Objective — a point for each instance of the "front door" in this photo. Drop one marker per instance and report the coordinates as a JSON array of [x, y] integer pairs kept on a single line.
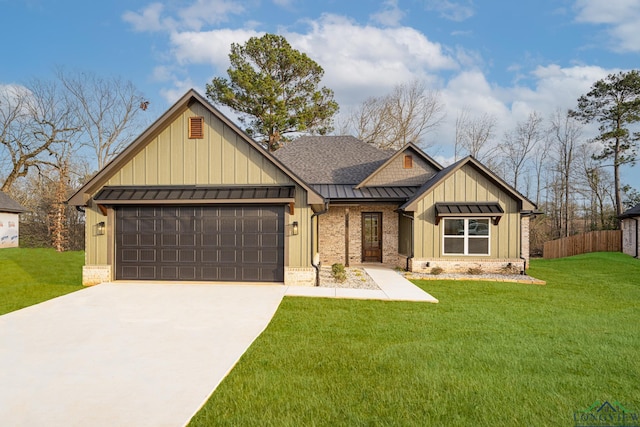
[[372, 237]]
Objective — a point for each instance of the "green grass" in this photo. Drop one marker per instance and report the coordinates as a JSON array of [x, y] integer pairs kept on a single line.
[[30, 276], [488, 354]]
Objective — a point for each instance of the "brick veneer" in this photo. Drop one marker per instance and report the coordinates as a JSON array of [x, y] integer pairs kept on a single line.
[[332, 234]]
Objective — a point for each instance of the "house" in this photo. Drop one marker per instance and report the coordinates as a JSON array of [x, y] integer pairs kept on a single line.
[[630, 232], [9, 221], [194, 198], [404, 209]]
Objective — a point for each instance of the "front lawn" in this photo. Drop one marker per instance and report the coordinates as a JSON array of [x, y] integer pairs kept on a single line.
[[487, 354], [30, 276]]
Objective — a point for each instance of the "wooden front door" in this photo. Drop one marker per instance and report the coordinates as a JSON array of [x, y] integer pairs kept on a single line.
[[372, 237]]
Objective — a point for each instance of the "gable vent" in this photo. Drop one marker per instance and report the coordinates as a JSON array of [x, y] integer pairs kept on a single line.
[[408, 162], [196, 127]]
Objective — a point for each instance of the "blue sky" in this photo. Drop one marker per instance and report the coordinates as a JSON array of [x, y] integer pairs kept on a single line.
[[505, 58]]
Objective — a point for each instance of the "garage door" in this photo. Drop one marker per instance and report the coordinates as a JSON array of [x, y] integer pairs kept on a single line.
[[200, 243]]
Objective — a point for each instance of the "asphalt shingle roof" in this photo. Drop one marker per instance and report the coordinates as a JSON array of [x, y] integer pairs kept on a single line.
[[331, 159], [7, 204], [631, 212]]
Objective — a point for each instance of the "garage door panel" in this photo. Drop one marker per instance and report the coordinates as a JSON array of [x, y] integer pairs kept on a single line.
[[212, 243], [169, 240], [169, 255]]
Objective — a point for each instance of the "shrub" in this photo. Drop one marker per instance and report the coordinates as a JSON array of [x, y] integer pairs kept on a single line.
[[510, 269], [475, 270], [336, 268], [436, 270], [338, 272]]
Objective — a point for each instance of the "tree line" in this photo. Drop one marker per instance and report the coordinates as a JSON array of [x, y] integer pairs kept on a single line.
[[54, 133]]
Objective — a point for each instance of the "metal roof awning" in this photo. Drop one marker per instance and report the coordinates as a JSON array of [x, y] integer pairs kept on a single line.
[[348, 192], [155, 195], [466, 209]]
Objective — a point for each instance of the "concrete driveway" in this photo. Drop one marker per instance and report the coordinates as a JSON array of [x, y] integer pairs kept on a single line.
[[126, 354]]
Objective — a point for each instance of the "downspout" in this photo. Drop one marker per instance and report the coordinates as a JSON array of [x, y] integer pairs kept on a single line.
[[315, 214], [410, 257]]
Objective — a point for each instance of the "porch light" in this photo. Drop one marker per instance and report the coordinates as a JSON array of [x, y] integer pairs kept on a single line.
[[100, 228], [294, 228]]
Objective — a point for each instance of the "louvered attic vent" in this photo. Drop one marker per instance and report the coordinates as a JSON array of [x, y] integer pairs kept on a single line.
[[196, 127]]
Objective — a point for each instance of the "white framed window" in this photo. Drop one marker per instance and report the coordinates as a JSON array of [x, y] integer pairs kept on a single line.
[[466, 236]]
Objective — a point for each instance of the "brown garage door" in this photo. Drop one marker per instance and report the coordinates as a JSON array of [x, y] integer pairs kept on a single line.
[[200, 243]]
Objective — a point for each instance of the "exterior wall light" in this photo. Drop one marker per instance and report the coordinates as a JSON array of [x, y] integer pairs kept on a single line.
[[100, 228], [294, 228]]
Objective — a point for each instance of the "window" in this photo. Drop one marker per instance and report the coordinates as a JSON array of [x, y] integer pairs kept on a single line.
[[408, 162], [465, 236], [196, 127]]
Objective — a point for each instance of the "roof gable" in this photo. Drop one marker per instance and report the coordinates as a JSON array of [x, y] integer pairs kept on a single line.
[[187, 101], [390, 173], [441, 176], [331, 159]]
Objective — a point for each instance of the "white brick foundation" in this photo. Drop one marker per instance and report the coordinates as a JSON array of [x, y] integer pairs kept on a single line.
[[460, 265], [299, 276], [95, 274]]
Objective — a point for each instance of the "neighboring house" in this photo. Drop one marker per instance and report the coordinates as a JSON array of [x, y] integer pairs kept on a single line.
[[9, 221], [630, 231], [194, 198]]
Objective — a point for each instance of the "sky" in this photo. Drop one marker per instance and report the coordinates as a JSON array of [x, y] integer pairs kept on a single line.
[[501, 57]]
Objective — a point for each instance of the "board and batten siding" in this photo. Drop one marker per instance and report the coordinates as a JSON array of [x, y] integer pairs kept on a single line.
[[467, 185], [222, 157]]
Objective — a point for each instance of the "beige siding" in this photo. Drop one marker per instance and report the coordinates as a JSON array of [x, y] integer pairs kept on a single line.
[[394, 174], [220, 158], [467, 185]]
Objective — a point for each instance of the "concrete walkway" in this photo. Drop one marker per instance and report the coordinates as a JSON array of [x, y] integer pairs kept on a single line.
[[392, 286], [141, 354], [126, 354]]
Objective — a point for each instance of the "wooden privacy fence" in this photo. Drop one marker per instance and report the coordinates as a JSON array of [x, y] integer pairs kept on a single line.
[[594, 241]]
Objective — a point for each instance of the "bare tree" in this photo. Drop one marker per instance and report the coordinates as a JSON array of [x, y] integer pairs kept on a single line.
[[473, 135], [598, 188], [566, 133], [109, 111], [519, 143], [35, 121], [405, 115]]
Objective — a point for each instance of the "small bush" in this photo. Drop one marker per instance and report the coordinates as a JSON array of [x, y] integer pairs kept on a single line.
[[510, 269], [475, 270], [337, 268], [436, 270], [338, 272]]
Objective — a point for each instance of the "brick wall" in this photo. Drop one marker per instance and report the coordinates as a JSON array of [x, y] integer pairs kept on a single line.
[[332, 234]]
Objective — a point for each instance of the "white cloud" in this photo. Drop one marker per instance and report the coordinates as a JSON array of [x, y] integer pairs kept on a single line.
[[146, 20], [553, 87], [208, 47], [359, 61], [362, 61], [390, 15], [620, 16], [179, 17], [453, 10]]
